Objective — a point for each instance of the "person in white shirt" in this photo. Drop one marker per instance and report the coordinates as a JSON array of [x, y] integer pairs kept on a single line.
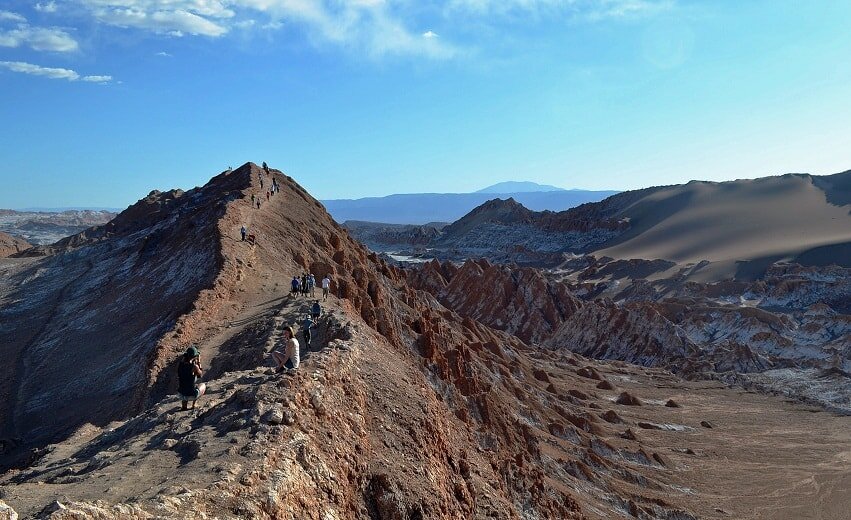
[[289, 358], [326, 287]]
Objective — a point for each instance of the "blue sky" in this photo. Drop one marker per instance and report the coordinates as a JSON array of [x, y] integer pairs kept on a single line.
[[104, 100]]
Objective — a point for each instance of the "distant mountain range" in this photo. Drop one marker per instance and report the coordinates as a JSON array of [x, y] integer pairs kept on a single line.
[[741, 227], [422, 208], [519, 187]]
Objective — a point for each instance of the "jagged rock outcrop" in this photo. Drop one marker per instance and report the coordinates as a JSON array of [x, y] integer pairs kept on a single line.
[[520, 301], [10, 245]]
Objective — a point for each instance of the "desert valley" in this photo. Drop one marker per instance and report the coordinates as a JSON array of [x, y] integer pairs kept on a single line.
[[678, 352]]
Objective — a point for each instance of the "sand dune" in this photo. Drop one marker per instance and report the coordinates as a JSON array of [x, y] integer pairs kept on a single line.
[[775, 218]]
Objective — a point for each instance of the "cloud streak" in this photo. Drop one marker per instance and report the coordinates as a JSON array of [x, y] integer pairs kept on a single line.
[[52, 72], [49, 39]]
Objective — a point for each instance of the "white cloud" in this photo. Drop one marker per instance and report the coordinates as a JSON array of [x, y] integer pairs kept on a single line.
[[96, 79], [429, 34], [591, 10], [46, 7], [38, 38], [376, 27], [175, 22], [51, 72], [164, 54], [10, 16]]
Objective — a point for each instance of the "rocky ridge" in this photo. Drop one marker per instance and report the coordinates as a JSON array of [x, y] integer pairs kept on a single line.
[[403, 408]]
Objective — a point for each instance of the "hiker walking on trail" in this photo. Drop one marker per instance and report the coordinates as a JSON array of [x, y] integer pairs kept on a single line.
[[316, 310], [304, 287], [265, 168], [188, 372], [311, 283], [326, 287], [243, 231], [252, 199], [306, 325], [295, 286], [258, 202], [288, 359]]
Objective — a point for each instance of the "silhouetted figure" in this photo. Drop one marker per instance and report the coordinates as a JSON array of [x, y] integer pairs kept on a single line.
[[243, 231], [188, 372]]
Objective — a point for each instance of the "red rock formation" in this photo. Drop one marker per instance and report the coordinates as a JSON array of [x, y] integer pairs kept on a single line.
[[10, 245]]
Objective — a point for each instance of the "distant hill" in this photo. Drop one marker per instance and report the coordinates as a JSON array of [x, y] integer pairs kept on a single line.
[[45, 227], [422, 208], [741, 227], [519, 187]]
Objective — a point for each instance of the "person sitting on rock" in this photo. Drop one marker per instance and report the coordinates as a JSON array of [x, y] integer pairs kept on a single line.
[[306, 325], [316, 310], [188, 372], [288, 359]]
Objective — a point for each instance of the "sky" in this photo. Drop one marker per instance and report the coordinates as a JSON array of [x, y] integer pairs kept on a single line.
[[102, 101]]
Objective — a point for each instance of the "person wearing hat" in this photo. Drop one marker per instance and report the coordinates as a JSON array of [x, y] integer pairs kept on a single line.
[[188, 372], [288, 359]]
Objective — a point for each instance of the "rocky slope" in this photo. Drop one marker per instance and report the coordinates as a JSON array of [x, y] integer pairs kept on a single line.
[[403, 408], [795, 318], [10, 245]]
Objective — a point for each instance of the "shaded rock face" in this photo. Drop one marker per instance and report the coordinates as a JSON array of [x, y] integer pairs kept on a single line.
[[10, 245], [78, 327], [520, 301]]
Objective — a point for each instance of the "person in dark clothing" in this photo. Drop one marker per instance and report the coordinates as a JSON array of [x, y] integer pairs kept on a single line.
[[316, 310], [243, 231], [188, 372], [306, 325], [304, 287], [295, 286], [265, 168]]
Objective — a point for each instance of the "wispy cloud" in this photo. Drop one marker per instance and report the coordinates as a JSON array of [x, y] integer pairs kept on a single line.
[[572, 9], [378, 27], [164, 54], [375, 28], [10, 16], [38, 38], [52, 72], [46, 7]]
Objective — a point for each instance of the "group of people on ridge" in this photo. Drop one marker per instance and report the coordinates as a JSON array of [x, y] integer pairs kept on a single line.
[[189, 368], [306, 285]]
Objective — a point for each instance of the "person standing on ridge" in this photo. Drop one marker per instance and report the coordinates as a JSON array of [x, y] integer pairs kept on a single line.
[[243, 231], [326, 286], [289, 358], [306, 325], [265, 168], [188, 372]]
